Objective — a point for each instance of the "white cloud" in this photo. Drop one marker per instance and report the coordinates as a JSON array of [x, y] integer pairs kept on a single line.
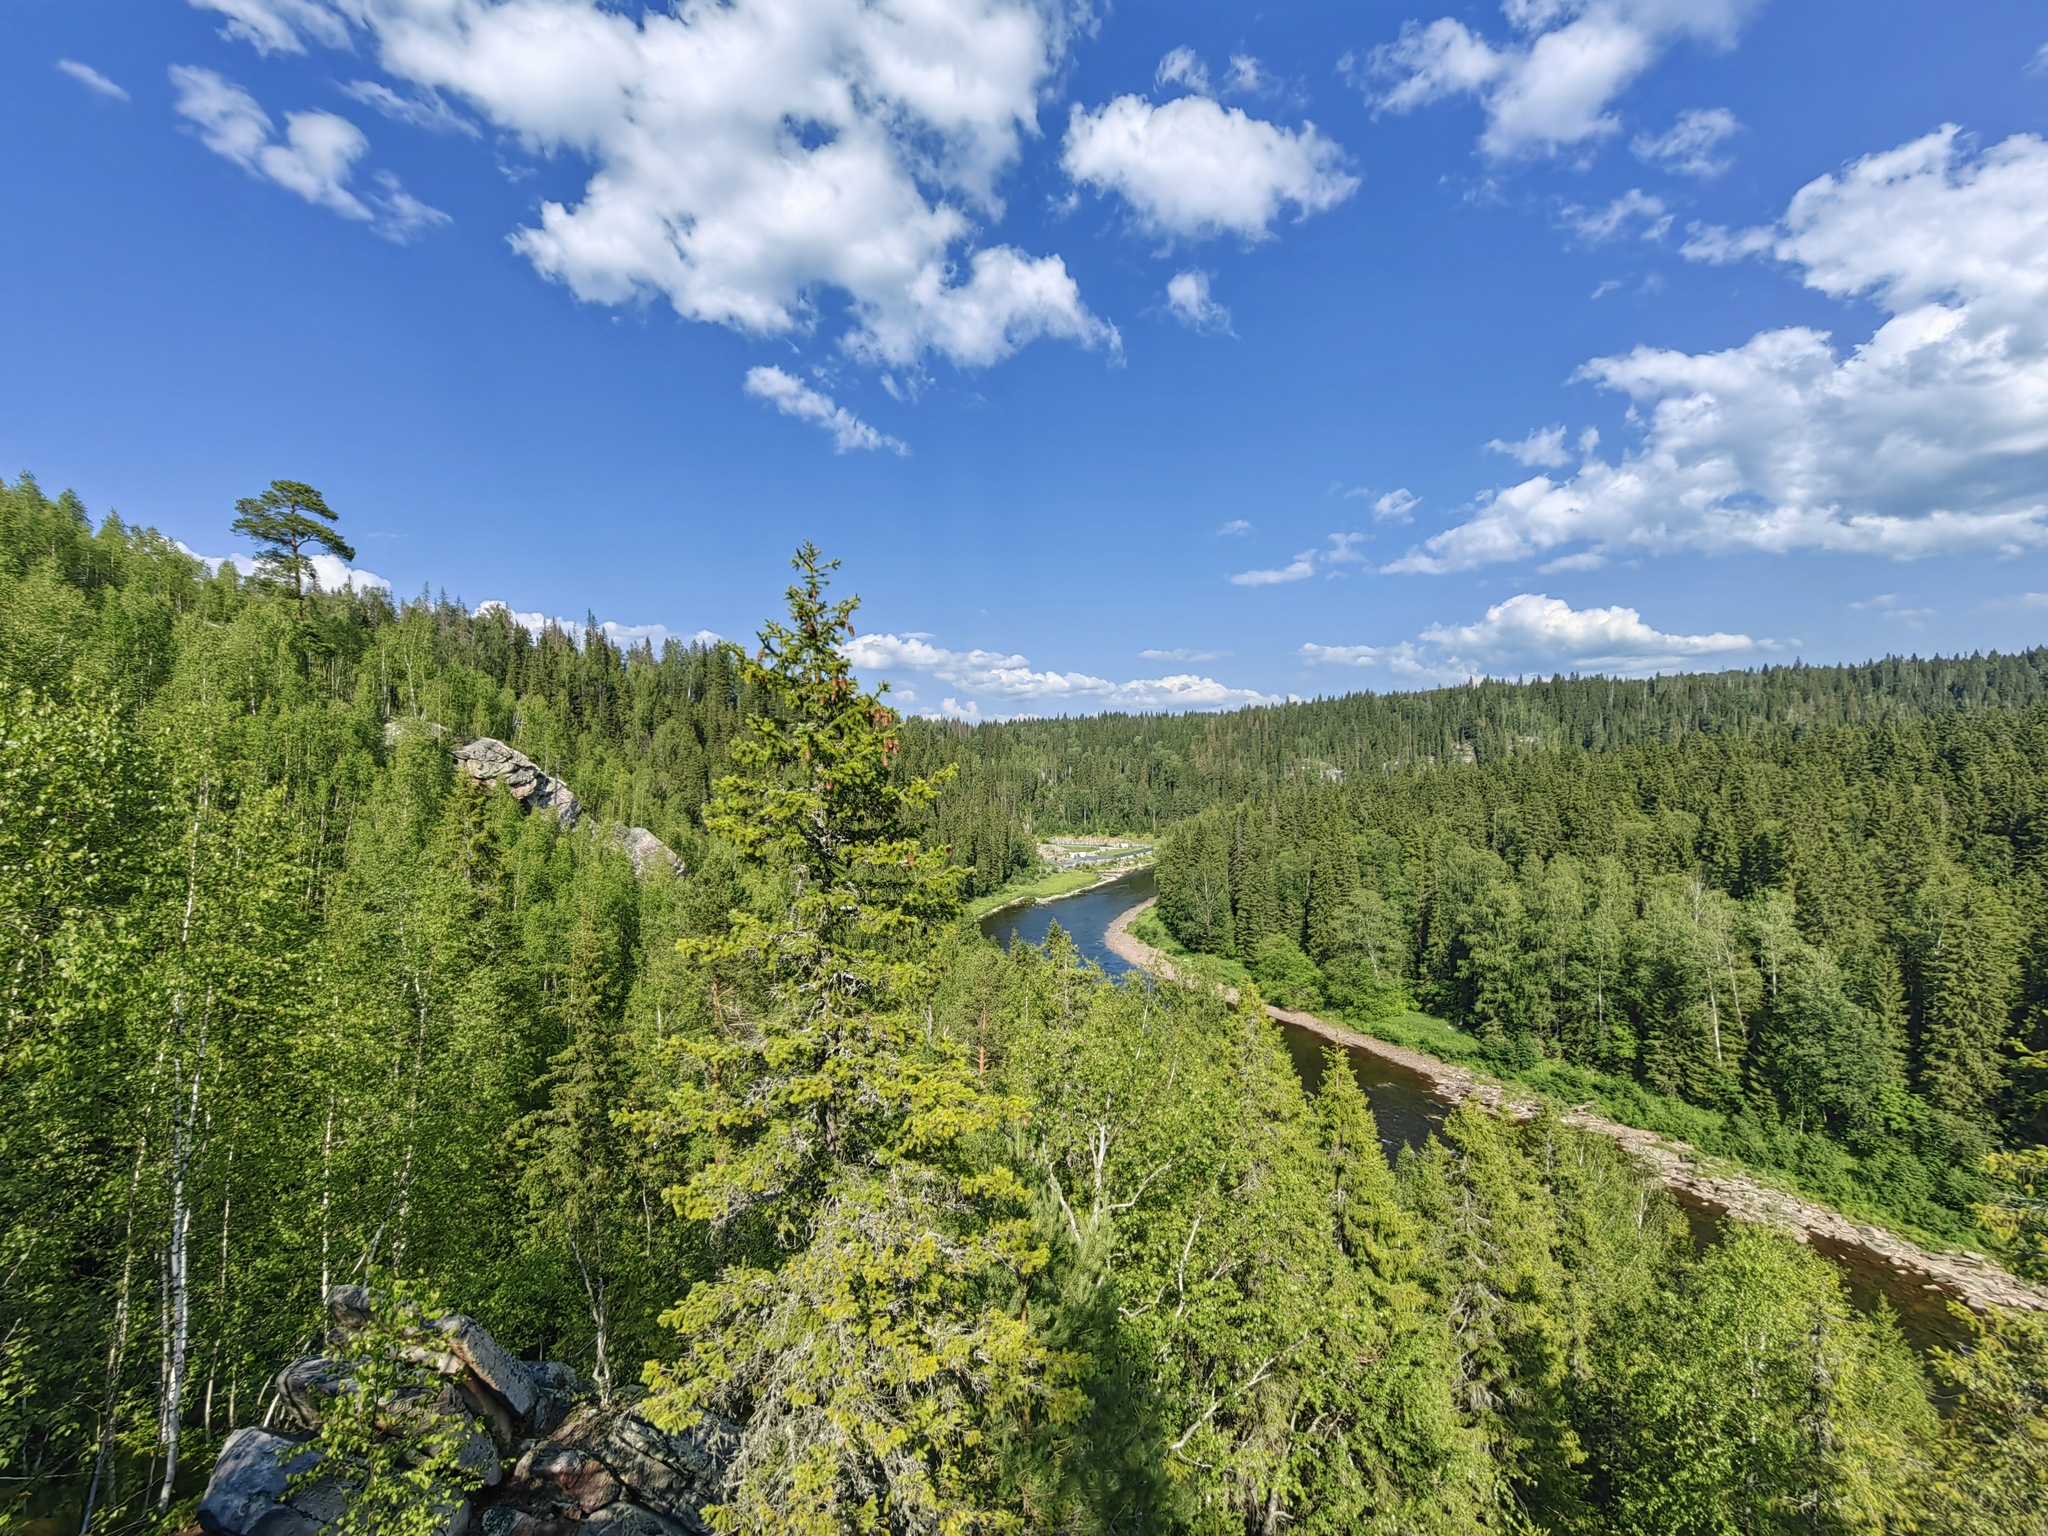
[[334, 573], [1248, 76], [1397, 506], [330, 572], [1549, 86], [1013, 686], [421, 109], [1688, 147], [793, 397], [1343, 550], [1889, 605], [92, 79], [1182, 66], [1534, 633], [1187, 295], [315, 158], [625, 636], [1596, 226], [1196, 169], [1929, 437], [1544, 447], [279, 26], [1234, 528], [1182, 654], [1341, 655], [1300, 568], [751, 159]]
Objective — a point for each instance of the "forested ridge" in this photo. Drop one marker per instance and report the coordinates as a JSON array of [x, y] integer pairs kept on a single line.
[[1118, 772], [957, 1241]]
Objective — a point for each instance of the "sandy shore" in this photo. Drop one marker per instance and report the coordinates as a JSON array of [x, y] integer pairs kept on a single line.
[[1969, 1277]]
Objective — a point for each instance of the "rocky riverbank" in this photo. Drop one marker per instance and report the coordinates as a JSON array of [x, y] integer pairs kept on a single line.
[[1968, 1277]]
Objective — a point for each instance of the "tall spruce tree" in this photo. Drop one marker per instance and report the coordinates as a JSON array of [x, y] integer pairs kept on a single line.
[[864, 1329]]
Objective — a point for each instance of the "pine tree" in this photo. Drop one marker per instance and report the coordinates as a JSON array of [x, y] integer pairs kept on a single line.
[[283, 521]]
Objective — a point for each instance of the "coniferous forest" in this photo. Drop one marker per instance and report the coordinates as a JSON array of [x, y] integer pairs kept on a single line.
[[767, 1146]]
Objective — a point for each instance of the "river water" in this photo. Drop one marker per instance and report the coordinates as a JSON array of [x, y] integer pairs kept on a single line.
[[1408, 1111]]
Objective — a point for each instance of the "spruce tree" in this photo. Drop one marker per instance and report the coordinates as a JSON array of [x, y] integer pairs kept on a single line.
[[863, 1328]]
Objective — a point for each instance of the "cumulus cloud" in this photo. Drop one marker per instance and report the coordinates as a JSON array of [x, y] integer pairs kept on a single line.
[[625, 636], [1690, 145], [1187, 296], [1236, 527], [1009, 684], [1544, 447], [1195, 169], [793, 397], [1549, 84], [92, 79], [315, 157], [1596, 226], [751, 159], [1929, 437], [1531, 632]]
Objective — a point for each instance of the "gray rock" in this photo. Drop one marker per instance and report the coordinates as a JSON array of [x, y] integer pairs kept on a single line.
[[304, 1388], [245, 1494], [475, 1348], [603, 1452], [490, 761], [623, 1519], [460, 1350], [647, 851]]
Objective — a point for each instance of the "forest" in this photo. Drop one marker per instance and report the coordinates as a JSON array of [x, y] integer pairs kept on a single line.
[[961, 1240]]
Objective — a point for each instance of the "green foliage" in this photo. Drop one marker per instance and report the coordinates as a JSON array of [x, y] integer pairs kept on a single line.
[[1285, 974], [864, 1334], [1992, 1464], [392, 1443], [2020, 1214], [1829, 942], [1751, 1398], [965, 1241], [287, 520]]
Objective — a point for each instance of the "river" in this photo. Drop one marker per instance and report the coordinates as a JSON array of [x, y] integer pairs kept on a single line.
[[1407, 1110]]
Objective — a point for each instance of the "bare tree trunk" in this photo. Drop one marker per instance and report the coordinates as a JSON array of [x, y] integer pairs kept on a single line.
[[326, 1204], [596, 1296], [117, 1345], [184, 1124], [184, 1136]]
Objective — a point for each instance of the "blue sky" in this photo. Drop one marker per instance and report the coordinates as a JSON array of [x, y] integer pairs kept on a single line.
[[1149, 356]]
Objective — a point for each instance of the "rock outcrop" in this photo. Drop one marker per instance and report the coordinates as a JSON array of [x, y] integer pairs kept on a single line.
[[576, 1468], [490, 761], [647, 851]]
